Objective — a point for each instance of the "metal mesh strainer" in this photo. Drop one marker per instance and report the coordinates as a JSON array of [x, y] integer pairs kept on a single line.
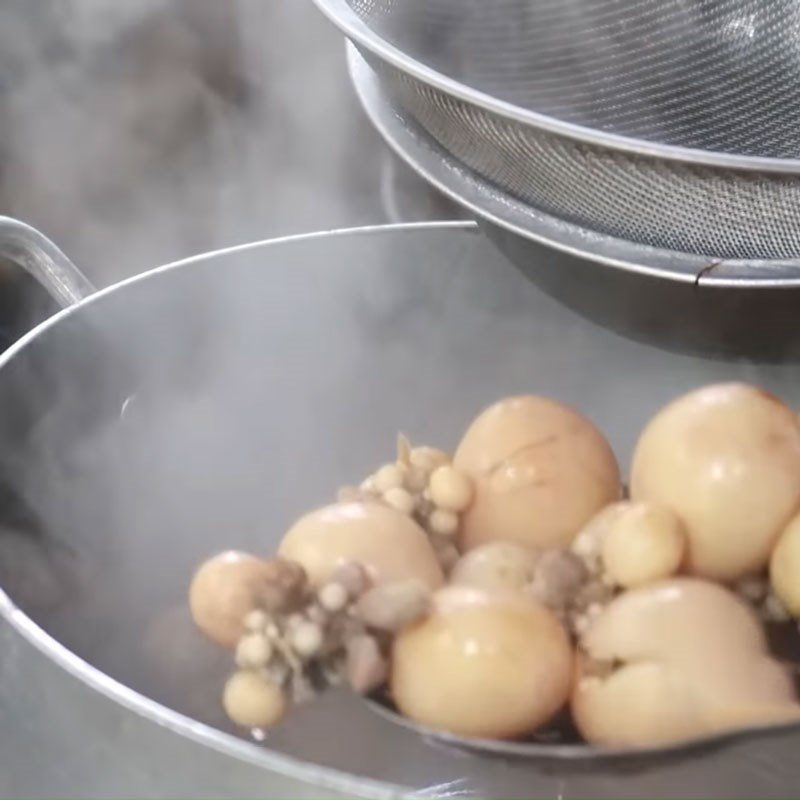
[[669, 123]]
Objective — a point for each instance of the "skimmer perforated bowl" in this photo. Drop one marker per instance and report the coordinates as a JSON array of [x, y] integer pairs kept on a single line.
[[667, 123]]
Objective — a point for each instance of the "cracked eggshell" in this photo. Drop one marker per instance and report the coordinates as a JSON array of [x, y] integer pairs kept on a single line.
[[540, 470], [387, 543], [487, 665], [726, 460], [686, 659]]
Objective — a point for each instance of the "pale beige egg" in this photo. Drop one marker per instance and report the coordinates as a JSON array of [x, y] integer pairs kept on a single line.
[[674, 660], [726, 460], [673, 619], [496, 565], [482, 665], [784, 568], [224, 590], [640, 705], [251, 701], [644, 544], [450, 489], [388, 544], [540, 471], [588, 544]]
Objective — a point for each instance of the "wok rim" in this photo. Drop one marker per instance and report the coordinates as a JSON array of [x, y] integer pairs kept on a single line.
[[259, 755]]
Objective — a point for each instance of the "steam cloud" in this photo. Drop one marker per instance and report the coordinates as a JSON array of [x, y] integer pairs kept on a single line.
[[138, 133]]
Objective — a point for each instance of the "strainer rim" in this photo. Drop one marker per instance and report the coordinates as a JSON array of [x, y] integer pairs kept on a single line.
[[495, 207], [354, 28]]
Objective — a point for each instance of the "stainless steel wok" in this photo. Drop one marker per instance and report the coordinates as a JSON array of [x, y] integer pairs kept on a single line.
[[207, 403]]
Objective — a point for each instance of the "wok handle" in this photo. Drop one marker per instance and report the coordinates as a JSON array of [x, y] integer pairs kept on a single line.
[[32, 251]]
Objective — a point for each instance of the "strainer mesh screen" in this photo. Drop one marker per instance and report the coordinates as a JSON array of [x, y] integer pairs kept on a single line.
[[719, 76]]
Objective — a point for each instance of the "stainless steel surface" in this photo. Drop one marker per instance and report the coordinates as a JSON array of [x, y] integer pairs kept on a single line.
[[171, 416], [668, 124], [708, 305], [412, 143], [716, 75]]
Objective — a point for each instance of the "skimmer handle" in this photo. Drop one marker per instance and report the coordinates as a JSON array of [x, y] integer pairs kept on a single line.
[[31, 250]]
